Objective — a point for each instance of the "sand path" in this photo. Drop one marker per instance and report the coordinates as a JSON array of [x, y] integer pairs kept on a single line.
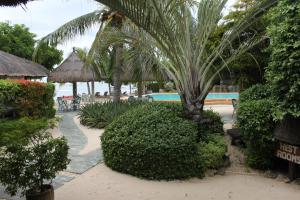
[[100, 182]]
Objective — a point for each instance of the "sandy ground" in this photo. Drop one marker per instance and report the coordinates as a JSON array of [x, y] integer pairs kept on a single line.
[[93, 136], [100, 182]]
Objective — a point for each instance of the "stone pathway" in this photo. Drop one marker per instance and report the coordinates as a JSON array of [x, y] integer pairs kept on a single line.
[[80, 163]]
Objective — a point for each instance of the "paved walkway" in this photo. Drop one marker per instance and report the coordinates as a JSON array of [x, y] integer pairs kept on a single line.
[[78, 142]]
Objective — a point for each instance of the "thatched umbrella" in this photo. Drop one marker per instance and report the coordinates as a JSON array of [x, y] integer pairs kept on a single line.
[[72, 70], [13, 2], [15, 67]]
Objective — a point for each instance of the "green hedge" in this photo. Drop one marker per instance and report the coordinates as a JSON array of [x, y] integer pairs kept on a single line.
[[98, 115], [214, 126], [256, 92], [256, 123], [18, 131], [153, 141], [29, 99]]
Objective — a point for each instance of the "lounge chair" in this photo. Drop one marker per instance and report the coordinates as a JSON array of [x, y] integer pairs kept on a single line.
[[62, 106], [76, 103]]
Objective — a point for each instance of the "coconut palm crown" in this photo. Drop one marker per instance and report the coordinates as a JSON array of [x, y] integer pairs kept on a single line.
[[181, 31]]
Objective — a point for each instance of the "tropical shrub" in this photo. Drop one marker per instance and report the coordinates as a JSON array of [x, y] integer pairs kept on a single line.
[[19, 131], [213, 126], [154, 141], [29, 99], [256, 123], [98, 115], [213, 150], [256, 92], [283, 72]]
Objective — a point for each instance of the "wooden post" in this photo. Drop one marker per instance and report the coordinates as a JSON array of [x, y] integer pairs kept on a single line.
[[292, 171], [74, 89], [93, 91]]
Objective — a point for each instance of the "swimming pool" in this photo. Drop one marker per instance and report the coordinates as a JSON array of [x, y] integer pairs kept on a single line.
[[210, 96]]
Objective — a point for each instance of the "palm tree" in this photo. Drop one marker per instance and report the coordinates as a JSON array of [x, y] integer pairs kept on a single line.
[[80, 25], [181, 33]]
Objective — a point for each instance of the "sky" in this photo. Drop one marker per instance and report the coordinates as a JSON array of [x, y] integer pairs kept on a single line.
[[44, 16]]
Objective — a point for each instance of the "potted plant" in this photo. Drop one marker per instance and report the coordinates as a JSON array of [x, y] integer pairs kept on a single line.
[[31, 168]]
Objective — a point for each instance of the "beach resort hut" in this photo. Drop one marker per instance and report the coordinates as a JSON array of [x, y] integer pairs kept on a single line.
[[72, 70], [14, 67]]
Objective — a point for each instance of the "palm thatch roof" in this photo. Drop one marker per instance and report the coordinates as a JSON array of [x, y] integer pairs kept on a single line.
[[13, 2], [73, 70], [13, 66]]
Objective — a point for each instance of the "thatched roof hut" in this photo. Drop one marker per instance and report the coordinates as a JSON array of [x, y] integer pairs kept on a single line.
[[73, 70], [13, 2], [15, 67]]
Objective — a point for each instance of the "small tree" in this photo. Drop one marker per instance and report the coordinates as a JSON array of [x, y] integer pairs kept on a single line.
[[29, 167]]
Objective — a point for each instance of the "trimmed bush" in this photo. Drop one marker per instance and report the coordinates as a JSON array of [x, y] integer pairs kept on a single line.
[[256, 123], [213, 149], [29, 99], [18, 131], [214, 126], [98, 115], [154, 141], [256, 92]]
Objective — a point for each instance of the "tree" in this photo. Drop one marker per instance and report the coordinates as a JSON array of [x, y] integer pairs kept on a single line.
[[48, 56], [79, 26], [19, 41], [16, 40], [284, 69], [249, 68], [181, 37]]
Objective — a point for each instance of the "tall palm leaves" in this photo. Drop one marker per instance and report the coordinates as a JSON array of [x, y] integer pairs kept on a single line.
[[181, 31], [79, 26]]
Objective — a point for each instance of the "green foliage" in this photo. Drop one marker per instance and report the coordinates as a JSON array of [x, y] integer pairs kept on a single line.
[[19, 41], [256, 123], [248, 68], [20, 130], [212, 127], [16, 40], [31, 99], [48, 56], [27, 167], [98, 115], [256, 92], [154, 141], [284, 68], [212, 151]]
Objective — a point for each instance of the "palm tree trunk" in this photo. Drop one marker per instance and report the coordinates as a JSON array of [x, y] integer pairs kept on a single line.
[[140, 89], [117, 74], [109, 88], [88, 87], [117, 22], [93, 91]]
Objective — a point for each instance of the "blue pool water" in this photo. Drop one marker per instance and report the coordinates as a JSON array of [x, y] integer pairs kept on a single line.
[[175, 96]]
